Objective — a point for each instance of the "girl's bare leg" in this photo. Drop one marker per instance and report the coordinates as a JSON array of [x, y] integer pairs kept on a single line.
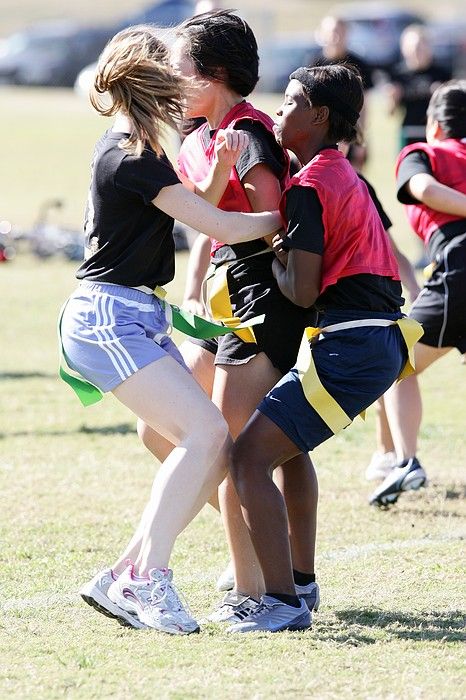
[[201, 364], [404, 406], [238, 389], [195, 466]]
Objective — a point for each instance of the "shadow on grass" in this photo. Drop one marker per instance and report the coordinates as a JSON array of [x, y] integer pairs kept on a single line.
[[456, 492], [119, 429], [428, 627], [27, 375], [450, 492]]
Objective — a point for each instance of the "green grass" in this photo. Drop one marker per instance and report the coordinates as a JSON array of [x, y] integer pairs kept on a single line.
[[72, 485], [73, 482]]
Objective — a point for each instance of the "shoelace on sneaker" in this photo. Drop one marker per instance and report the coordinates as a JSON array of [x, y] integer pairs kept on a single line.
[[236, 611], [166, 591], [261, 608]]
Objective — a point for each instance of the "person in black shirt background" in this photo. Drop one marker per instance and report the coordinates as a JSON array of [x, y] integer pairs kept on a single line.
[[412, 83], [333, 37]]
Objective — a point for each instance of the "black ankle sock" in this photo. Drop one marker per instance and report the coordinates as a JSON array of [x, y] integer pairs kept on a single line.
[[302, 579], [292, 600]]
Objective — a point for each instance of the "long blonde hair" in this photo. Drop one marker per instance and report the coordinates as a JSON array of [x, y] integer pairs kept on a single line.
[[135, 71]]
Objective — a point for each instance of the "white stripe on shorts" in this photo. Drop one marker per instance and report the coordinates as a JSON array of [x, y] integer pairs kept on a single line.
[[102, 339], [108, 341]]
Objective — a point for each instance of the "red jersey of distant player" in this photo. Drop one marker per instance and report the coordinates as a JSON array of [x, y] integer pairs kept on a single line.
[[448, 162]]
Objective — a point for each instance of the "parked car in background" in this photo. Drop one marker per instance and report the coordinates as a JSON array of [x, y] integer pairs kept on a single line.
[[53, 53], [374, 30], [449, 45], [166, 13], [281, 55], [49, 53]]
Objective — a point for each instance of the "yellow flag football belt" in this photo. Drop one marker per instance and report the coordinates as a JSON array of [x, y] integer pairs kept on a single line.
[[317, 395]]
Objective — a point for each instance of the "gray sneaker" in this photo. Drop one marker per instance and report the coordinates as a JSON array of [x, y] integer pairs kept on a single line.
[[407, 476], [233, 608], [311, 594], [271, 615], [94, 593]]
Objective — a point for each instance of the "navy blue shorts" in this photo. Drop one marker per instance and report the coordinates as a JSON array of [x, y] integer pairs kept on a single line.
[[355, 366]]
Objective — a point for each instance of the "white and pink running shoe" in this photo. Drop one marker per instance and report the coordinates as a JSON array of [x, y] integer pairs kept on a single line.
[[94, 593], [153, 600]]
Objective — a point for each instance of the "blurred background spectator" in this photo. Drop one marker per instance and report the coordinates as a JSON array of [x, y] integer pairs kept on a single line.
[[412, 82], [332, 36], [53, 53]]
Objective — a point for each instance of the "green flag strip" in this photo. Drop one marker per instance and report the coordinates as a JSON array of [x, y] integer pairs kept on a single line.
[[183, 321]]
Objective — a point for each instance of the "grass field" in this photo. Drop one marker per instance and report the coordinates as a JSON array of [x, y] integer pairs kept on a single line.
[[73, 482]]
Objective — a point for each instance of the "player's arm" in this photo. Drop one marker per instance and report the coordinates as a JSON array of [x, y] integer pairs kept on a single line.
[[406, 270], [262, 190], [228, 227], [426, 189], [299, 274], [300, 280]]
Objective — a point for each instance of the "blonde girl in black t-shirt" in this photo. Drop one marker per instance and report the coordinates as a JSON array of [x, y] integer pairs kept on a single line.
[[114, 330]]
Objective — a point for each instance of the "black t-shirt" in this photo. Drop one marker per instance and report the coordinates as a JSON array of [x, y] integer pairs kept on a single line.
[[349, 57], [129, 241], [306, 232], [415, 163], [417, 87], [262, 149], [386, 221]]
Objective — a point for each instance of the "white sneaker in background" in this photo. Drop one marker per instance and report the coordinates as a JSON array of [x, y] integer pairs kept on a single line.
[[406, 476], [226, 580], [153, 600], [380, 465]]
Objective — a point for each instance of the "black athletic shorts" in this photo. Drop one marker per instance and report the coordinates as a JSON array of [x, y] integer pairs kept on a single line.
[[254, 291], [441, 305]]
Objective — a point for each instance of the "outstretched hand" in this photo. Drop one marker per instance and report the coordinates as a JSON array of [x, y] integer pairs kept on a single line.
[[229, 144]]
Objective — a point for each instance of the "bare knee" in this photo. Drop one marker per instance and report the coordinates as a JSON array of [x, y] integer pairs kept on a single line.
[[145, 433], [211, 432]]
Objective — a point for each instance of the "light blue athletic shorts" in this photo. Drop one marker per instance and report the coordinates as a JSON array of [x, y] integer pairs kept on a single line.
[[110, 331]]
